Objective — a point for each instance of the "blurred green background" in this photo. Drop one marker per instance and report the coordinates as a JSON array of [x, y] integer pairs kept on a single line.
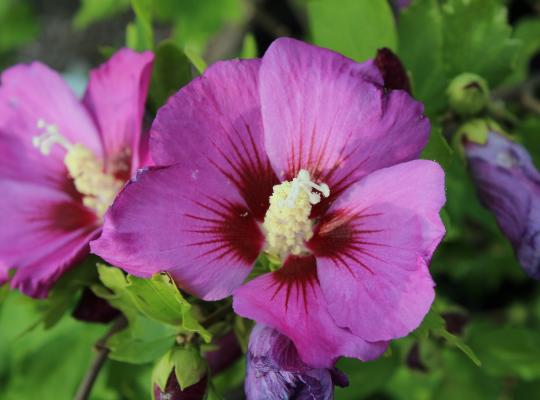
[[482, 338]]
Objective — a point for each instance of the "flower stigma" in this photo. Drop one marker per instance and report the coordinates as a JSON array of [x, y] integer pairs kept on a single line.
[[287, 223], [97, 187]]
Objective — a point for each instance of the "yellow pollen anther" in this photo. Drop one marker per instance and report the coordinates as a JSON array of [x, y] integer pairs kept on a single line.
[[97, 187], [287, 222]]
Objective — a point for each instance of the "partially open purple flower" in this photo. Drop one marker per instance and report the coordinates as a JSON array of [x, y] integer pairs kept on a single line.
[[508, 184], [63, 161], [276, 372], [305, 156]]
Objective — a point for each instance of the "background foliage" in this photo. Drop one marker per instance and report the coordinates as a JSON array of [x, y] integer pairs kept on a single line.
[[482, 338]]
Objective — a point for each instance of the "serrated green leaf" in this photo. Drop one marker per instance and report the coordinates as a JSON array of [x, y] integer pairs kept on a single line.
[[355, 28], [157, 299], [189, 366], [477, 39]]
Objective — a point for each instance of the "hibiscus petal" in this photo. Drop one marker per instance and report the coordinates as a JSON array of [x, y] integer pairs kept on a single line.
[[32, 92], [25, 164], [115, 98], [373, 246], [330, 115], [291, 301], [43, 233], [216, 120], [188, 221]]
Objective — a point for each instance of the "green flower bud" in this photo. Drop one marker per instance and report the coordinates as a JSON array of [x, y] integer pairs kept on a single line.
[[476, 131], [468, 94]]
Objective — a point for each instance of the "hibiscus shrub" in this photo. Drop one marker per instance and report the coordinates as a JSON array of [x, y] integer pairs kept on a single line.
[[227, 199]]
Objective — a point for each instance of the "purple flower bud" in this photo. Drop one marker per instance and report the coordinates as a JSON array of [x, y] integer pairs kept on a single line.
[[173, 392], [276, 372], [508, 184], [228, 352], [94, 309], [392, 70]]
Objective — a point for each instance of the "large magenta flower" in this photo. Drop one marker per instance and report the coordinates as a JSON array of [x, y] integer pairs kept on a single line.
[[305, 156], [63, 161]]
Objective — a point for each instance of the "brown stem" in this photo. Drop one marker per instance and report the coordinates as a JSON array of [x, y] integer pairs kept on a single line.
[[85, 388]]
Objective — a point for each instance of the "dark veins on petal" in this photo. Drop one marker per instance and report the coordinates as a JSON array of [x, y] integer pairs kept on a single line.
[[66, 216], [249, 170], [230, 232], [340, 237], [333, 171], [297, 275]]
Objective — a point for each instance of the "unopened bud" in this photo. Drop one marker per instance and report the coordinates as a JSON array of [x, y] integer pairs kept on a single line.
[[172, 390], [468, 94]]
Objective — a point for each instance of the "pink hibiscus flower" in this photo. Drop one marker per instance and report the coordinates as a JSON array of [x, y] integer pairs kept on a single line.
[[63, 161], [305, 156]]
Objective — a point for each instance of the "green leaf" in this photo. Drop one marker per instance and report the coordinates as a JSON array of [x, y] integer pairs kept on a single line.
[[529, 130], [462, 380], [139, 34], [231, 378], [162, 370], [432, 322], [249, 47], [195, 59], [367, 377], [355, 28], [528, 32], [157, 299], [142, 341], [65, 293], [196, 22], [44, 364], [434, 325], [437, 148], [478, 39], [171, 71], [189, 366], [242, 330], [456, 341], [18, 24], [507, 350], [421, 51], [91, 11]]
